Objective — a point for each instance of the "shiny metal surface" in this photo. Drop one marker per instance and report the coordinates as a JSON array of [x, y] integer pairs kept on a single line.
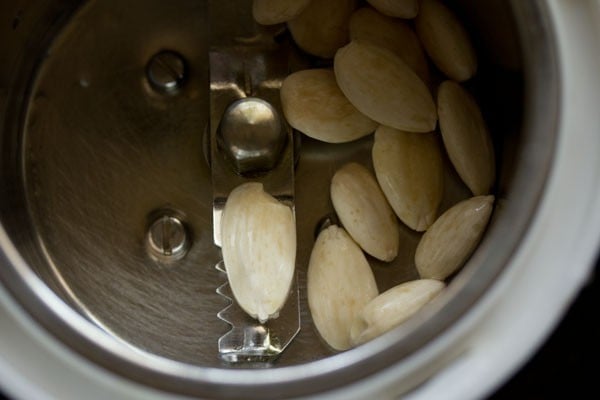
[[167, 239], [250, 344], [167, 72], [252, 135], [246, 60], [101, 152], [89, 149], [249, 141]]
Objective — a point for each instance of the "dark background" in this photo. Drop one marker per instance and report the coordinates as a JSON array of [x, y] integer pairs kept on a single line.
[[568, 363]]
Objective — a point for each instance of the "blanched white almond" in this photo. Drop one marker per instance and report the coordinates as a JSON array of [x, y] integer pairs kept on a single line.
[[452, 238], [466, 137], [393, 307], [259, 250], [314, 104], [384, 88], [364, 211], [446, 41], [270, 12], [396, 8], [409, 169], [322, 27], [339, 284], [368, 25]]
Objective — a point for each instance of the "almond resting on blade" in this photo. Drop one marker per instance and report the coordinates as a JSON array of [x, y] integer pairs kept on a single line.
[[259, 250]]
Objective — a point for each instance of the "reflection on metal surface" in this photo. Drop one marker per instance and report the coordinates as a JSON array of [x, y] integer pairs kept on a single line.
[[252, 135], [99, 160], [167, 71]]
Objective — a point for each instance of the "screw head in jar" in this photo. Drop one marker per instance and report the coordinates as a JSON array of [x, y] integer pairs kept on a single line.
[[167, 72], [167, 239]]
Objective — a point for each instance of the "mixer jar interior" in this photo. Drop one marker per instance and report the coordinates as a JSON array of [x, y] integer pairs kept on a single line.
[[92, 153]]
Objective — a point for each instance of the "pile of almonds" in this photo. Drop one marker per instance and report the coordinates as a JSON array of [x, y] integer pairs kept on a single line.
[[382, 82]]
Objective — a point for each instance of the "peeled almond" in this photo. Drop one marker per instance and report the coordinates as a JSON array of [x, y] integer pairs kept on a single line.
[[368, 25], [384, 88], [339, 284], [322, 27], [466, 137], [365, 213], [393, 307], [446, 41], [409, 169], [259, 250], [271, 12], [313, 103], [445, 247], [396, 8]]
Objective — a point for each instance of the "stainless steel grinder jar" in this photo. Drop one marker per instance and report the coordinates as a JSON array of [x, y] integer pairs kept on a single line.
[[105, 112]]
